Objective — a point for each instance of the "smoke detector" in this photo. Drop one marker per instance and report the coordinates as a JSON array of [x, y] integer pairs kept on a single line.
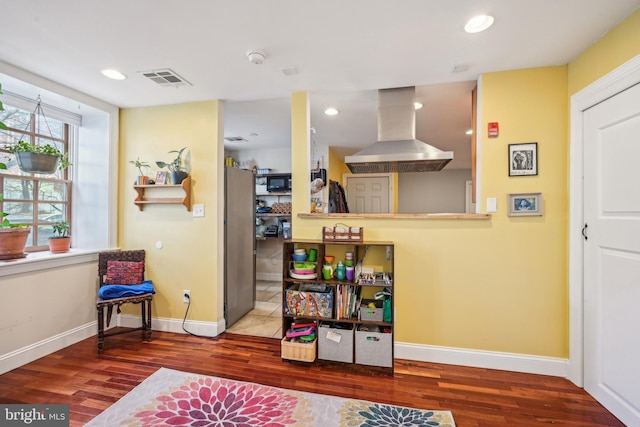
[[256, 57]]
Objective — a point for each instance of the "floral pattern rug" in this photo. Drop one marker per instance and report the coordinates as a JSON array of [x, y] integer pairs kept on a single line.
[[174, 398]]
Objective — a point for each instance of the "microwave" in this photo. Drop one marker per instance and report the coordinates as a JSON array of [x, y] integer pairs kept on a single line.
[[280, 183]]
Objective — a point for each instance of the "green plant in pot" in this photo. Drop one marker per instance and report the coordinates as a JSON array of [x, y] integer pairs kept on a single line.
[[178, 172], [38, 158], [60, 241], [142, 178], [13, 237]]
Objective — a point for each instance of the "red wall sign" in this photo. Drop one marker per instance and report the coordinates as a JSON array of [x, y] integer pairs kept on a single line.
[[493, 129]]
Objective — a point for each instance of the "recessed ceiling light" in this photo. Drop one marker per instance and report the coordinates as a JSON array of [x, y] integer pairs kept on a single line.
[[113, 74], [331, 111], [478, 23], [417, 105], [469, 132]]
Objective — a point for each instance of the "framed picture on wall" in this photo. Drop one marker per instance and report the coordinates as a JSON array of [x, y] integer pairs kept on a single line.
[[161, 178], [523, 159], [525, 204]]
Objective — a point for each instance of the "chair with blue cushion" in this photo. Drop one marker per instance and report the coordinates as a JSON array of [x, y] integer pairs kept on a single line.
[[121, 281]]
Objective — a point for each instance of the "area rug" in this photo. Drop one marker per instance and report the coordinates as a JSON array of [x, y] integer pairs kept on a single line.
[[174, 398]]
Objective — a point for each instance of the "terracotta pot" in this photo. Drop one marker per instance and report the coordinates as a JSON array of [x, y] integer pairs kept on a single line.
[[59, 244], [13, 241]]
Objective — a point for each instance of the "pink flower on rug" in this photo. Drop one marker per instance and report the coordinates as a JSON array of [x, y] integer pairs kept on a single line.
[[219, 402]]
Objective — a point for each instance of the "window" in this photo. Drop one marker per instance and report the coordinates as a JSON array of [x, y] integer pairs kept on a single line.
[[34, 199]]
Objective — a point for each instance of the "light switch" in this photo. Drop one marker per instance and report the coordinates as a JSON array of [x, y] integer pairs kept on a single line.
[[198, 211], [492, 204]]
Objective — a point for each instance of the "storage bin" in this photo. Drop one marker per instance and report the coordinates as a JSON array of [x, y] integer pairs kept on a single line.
[[373, 347], [312, 304], [296, 350], [372, 314], [335, 343]]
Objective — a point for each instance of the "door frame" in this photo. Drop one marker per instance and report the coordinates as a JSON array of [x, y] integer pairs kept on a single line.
[[616, 81]]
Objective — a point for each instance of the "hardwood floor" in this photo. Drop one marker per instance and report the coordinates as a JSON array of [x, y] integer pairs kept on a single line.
[[90, 383]]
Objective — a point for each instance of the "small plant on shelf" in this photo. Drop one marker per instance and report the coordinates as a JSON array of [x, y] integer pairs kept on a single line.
[[178, 171], [142, 178]]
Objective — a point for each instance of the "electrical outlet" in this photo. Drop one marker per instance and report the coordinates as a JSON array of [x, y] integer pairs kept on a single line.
[[198, 211], [186, 296]]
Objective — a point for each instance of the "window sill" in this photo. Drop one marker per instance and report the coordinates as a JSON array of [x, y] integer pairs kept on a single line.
[[44, 260]]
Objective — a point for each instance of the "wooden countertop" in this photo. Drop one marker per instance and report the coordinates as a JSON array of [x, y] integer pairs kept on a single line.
[[394, 216]]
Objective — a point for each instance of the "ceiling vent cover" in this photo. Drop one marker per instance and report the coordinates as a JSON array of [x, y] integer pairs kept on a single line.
[[166, 77]]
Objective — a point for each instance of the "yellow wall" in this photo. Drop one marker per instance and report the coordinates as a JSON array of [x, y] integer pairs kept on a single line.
[[497, 284], [337, 167], [618, 46], [189, 257]]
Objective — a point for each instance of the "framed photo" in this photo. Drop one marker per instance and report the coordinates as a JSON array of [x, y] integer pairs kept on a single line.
[[161, 178], [526, 204], [523, 159]]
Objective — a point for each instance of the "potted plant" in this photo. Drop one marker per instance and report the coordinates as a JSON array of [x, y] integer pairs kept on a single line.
[[60, 241], [38, 158], [178, 172], [13, 237], [142, 178]]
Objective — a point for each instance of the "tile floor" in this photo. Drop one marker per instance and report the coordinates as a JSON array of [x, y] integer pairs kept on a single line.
[[265, 320]]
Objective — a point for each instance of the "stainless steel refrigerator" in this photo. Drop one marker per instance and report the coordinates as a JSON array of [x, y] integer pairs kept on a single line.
[[239, 244]]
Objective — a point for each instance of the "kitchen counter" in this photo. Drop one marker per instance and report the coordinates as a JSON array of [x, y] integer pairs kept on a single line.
[[394, 216]]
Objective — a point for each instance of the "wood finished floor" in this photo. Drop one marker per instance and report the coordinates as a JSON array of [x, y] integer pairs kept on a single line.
[[90, 383]]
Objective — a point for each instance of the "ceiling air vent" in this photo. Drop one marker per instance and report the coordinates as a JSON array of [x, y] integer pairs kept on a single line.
[[235, 139], [166, 77]]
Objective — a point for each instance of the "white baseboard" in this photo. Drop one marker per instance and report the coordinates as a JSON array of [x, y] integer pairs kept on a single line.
[[35, 351], [206, 329], [483, 359], [271, 277], [424, 353]]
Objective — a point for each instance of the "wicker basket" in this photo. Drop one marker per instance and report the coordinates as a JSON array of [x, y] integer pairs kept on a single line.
[[304, 352], [342, 233]]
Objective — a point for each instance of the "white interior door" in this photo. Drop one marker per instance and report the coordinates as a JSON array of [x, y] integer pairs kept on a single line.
[[612, 254], [368, 193]]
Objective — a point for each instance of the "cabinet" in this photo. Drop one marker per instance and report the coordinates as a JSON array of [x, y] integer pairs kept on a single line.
[[164, 194], [348, 330]]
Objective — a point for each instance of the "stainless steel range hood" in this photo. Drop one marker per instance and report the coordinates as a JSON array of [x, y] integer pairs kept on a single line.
[[397, 149]]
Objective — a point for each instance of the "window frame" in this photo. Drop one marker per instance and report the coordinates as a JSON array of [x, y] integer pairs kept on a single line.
[[68, 133]]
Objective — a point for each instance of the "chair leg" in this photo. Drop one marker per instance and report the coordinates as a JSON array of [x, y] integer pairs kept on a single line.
[[100, 329], [148, 322], [143, 315]]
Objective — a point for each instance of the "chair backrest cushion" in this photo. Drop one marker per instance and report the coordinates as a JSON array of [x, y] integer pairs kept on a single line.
[[124, 272]]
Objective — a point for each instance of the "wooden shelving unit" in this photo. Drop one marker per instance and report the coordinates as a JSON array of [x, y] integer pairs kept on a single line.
[[144, 190], [359, 353]]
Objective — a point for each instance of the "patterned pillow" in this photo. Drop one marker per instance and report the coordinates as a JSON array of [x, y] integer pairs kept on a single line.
[[124, 273]]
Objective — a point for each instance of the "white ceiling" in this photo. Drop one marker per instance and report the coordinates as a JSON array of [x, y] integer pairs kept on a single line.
[[343, 51]]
